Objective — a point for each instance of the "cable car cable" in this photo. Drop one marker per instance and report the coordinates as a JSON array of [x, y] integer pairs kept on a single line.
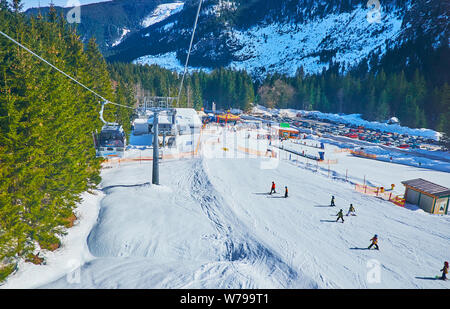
[[62, 72], [189, 51]]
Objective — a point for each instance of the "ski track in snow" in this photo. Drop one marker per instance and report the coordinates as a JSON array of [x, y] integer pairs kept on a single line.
[[211, 225], [240, 246]]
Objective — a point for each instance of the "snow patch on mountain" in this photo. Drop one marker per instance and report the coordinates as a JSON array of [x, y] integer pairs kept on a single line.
[[162, 12], [168, 61], [283, 47], [119, 40], [345, 38]]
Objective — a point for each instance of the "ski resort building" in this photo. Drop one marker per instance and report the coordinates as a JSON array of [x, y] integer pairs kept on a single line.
[[166, 123], [429, 196], [140, 126], [284, 132], [187, 121]]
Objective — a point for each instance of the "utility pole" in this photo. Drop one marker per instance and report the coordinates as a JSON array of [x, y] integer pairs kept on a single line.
[[155, 173], [188, 97]]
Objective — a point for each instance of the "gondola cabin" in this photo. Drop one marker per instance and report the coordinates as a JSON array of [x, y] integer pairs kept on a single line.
[[111, 141]]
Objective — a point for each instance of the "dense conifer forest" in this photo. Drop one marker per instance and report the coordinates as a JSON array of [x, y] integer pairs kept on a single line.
[[47, 158]]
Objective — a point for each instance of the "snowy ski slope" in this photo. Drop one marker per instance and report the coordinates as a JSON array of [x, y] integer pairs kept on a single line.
[[211, 224]]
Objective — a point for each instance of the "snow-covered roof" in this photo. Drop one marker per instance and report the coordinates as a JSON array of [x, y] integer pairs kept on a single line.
[[188, 115], [140, 121]]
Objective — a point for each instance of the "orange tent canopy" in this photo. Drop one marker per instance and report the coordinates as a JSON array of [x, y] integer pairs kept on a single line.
[[229, 117]]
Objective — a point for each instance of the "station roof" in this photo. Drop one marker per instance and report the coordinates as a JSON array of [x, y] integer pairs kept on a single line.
[[285, 129], [427, 187]]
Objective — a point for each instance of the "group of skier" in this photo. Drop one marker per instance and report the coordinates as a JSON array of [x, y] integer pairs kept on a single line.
[[352, 211], [340, 214], [374, 239], [272, 190]]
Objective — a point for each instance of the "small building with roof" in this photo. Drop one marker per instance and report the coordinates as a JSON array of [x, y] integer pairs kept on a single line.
[[430, 197], [284, 131]]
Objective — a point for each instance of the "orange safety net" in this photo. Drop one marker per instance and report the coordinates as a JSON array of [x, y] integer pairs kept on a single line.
[[378, 192], [363, 154]]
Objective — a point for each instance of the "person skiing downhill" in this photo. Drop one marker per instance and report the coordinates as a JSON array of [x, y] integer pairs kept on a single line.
[[444, 271], [351, 210], [332, 201], [374, 241], [272, 189], [340, 215], [285, 192]]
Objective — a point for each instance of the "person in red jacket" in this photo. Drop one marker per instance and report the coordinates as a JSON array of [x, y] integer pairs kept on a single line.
[[444, 271], [285, 192], [272, 189]]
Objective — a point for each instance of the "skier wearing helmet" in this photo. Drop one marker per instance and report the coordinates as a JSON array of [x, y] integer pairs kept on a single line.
[[351, 211], [444, 271], [340, 215], [374, 241]]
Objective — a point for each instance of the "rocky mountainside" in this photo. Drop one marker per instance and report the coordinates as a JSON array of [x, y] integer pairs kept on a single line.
[[266, 36], [109, 22]]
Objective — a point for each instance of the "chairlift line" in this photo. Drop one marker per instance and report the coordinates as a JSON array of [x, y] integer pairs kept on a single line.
[[189, 51], [60, 71], [111, 141]]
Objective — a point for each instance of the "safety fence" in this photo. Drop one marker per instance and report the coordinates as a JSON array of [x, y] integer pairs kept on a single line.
[[117, 161], [298, 142], [363, 154], [259, 153], [381, 193], [340, 150], [307, 156], [328, 162]]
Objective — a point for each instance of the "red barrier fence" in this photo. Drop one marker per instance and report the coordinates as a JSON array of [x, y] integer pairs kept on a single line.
[[379, 192]]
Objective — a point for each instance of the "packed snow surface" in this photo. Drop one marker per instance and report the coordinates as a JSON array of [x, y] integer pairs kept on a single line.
[[211, 224]]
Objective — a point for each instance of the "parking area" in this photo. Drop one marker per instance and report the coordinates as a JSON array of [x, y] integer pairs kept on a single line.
[[327, 128]]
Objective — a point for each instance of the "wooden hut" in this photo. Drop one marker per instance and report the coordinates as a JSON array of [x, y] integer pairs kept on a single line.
[[284, 131], [429, 196]]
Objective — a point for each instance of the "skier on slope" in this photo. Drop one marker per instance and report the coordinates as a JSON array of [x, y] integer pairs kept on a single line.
[[340, 215], [285, 192], [272, 189], [351, 210], [374, 241], [332, 201], [444, 271]]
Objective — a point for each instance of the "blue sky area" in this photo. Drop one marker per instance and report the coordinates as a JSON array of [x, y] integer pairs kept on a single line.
[[35, 3]]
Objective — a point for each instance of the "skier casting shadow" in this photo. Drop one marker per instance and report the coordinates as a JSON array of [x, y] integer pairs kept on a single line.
[[272, 189], [443, 277], [374, 241], [351, 211], [340, 215], [444, 271]]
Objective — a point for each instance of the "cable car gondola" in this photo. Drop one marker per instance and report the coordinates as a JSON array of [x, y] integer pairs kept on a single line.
[[111, 141]]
